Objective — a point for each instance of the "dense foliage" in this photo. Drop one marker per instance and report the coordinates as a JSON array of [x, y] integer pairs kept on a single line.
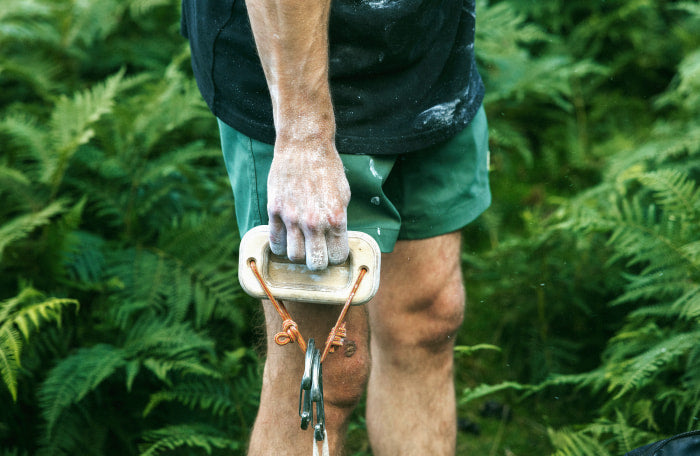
[[122, 326]]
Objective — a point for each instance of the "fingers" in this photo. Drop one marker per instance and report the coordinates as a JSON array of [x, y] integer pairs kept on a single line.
[[295, 244], [316, 247], [278, 236], [316, 251], [337, 244]]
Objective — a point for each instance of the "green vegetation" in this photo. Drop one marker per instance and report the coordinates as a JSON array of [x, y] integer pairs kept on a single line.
[[122, 327]]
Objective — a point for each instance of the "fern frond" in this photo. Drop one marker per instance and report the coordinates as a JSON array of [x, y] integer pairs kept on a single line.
[[618, 433], [10, 348], [78, 432], [71, 124], [688, 305], [18, 317], [624, 433], [469, 349], [163, 368], [23, 139], [185, 435], [570, 443], [27, 21], [92, 21], [675, 192], [176, 94], [36, 77], [76, 376], [190, 272], [155, 336], [687, 82], [470, 394], [28, 310], [642, 414], [23, 225], [166, 348], [659, 285], [645, 238], [16, 191], [683, 402], [201, 394], [83, 259], [11, 178], [636, 372], [174, 162], [594, 379]]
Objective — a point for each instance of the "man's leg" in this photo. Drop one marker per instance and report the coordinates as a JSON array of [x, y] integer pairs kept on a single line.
[[413, 320], [345, 372]]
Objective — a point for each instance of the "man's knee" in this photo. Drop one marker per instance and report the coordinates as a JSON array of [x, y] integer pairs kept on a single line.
[[429, 318], [439, 321], [345, 375], [345, 371]]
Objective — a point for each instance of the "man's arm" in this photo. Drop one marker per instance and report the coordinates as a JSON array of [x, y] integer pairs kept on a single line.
[[308, 192]]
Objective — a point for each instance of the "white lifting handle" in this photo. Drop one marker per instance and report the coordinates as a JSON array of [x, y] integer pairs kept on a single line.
[[295, 282]]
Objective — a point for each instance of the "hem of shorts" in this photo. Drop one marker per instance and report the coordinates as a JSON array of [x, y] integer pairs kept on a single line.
[[386, 242], [417, 230]]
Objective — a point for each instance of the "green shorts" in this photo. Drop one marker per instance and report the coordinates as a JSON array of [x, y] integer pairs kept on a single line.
[[416, 195]]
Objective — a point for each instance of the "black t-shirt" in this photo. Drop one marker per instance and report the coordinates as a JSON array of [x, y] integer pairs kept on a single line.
[[402, 72]]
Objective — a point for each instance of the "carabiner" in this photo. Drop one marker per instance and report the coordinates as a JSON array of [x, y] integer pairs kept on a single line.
[[305, 399], [317, 397]]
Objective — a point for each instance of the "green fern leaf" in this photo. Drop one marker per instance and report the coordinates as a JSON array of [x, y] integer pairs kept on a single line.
[[618, 433], [203, 394], [21, 226], [83, 259], [163, 368], [636, 372], [166, 348], [27, 21], [32, 315], [569, 443], [624, 433], [594, 379], [92, 21], [16, 192], [71, 124], [18, 317], [688, 305], [11, 178], [664, 283], [185, 435], [25, 141], [28, 309], [74, 377], [470, 394], [674, 191], [10, 348]]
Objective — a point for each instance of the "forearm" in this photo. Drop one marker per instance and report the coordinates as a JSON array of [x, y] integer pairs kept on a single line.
[[292, 41], [307, 190]]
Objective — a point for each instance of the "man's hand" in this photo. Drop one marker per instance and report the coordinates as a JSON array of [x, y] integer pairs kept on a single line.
[[308, 192], [308, 195]]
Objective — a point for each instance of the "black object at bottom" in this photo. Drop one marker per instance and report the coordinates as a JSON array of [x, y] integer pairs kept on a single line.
[[311, 392], [687, 444]]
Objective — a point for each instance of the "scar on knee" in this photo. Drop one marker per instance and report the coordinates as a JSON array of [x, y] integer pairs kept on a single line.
[[350, 348]]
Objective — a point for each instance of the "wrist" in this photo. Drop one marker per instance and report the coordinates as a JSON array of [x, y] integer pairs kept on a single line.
[[305, 124]]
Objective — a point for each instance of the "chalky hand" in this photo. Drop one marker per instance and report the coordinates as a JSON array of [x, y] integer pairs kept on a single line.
[[308, 195]]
